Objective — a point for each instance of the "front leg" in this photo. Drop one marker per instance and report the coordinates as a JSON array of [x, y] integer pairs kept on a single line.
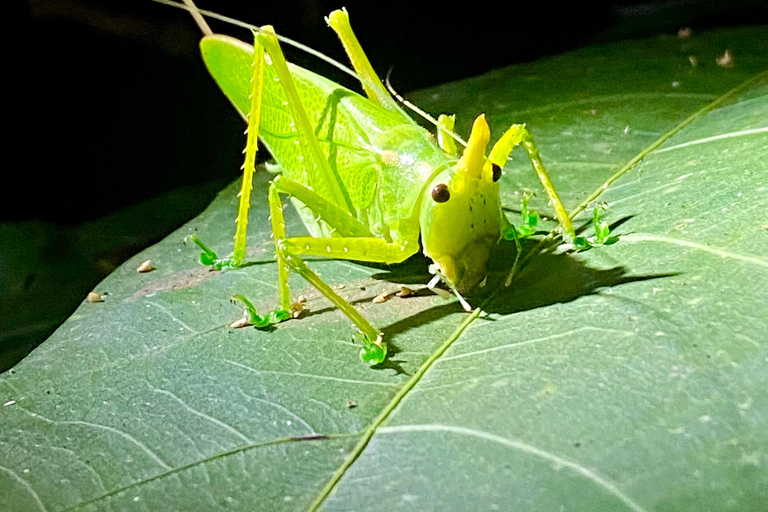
[[518, 134]]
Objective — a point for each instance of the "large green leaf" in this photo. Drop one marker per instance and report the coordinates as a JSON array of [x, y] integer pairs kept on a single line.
[[632, 377]]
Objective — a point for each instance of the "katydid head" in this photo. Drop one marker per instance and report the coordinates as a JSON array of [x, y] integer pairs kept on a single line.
[[461, 213]]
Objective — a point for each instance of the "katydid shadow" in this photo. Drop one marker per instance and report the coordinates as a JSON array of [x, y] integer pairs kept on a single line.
[[546, 279]]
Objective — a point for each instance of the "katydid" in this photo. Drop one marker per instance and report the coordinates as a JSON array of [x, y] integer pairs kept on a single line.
[[368, 182]]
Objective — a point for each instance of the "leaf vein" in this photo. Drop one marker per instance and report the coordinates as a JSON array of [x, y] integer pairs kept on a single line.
[[173, 317], [281, 408], [309, 375], [661, 140], [174, 472], [201, 414], [729, 135], [620, 98], [642, 237], [112, 430], [536, 340], [26, 486], [516, 444]]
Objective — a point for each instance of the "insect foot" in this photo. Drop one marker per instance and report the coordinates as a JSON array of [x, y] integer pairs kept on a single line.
[[256, 320], [530, 219], [602, 233], [209, 258], [373, 352]]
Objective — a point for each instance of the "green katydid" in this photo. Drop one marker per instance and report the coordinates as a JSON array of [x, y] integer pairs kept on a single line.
[[369, 183]]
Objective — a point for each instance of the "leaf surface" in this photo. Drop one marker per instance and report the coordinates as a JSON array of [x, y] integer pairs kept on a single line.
[[632, 377]]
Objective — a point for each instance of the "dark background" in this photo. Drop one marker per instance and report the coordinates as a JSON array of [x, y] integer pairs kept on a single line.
[[115, 135]]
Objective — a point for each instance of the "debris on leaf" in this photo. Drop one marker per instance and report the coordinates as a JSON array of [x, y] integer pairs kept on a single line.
[[351, 404], [145, 267], [298, 308], [94, 297], [382, 297], [404, 292], [239, 323], [725, 60]]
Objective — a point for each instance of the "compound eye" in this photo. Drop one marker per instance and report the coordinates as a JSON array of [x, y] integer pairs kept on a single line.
[[496, 172], [440, 193]]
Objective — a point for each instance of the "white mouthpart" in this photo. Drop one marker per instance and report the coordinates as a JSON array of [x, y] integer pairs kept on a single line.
[[463, 302], [432, 286]]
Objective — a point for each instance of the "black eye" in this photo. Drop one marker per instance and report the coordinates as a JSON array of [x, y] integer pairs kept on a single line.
[[440, 193], [496, 172]]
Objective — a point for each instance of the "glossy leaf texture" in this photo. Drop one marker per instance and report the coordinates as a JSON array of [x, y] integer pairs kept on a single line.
[[629, 377]]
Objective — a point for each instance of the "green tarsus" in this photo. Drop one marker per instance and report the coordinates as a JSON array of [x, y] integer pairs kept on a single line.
[[602, 233], [530, 219], [259, 321], [209, 257]]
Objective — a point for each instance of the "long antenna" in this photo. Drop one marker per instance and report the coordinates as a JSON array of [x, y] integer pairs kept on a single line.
[[199, 16], [418, 110], [195, 12], [199, 13]]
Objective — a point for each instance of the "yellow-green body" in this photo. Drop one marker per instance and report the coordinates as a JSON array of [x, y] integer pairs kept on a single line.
[[369, 183], [382, 162]]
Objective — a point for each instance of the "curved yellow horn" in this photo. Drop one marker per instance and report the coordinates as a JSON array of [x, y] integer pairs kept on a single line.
[[473, 158]]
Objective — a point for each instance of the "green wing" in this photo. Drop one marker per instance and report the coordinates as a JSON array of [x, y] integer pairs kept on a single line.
[[341, 118]]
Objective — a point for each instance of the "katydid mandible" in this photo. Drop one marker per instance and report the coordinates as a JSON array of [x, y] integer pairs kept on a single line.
[[368, 182]]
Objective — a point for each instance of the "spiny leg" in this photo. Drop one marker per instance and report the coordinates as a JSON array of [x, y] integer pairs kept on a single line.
[[237, 258], [518, 134], [357, 247], [339, 21], [320, 173], [322, 177], [335, 208], [251, 146], [339, 220]]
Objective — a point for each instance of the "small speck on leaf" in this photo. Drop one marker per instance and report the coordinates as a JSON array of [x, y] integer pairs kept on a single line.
[[404, 292], [94, 297], [725, 60], [351, 404], [239, 323], [145, 267], [298, 308], [382, 297]]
